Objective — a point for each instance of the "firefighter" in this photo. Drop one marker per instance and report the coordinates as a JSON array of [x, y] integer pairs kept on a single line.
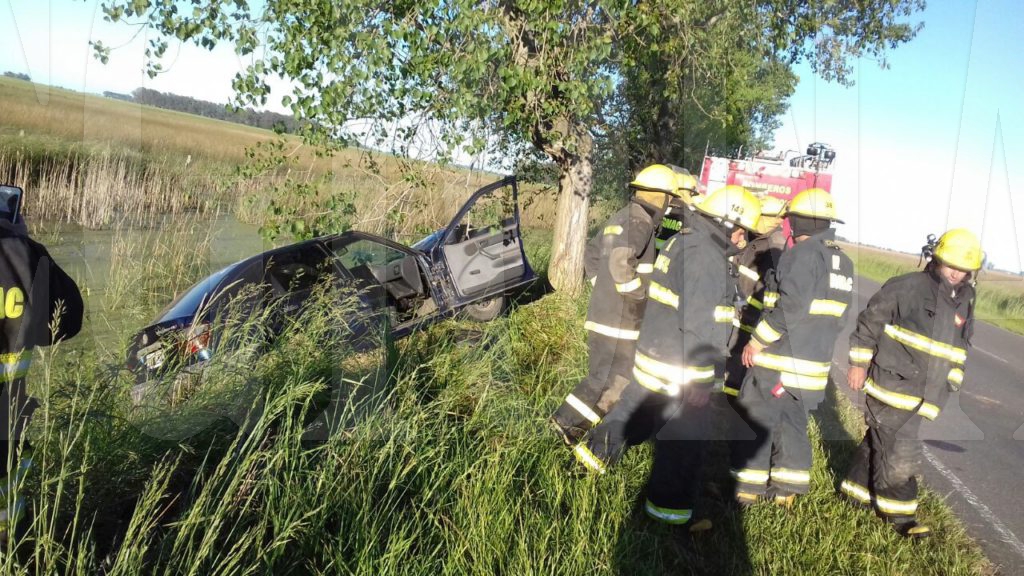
[[907, 354], [789, 356], [679, 207], [685, 330], [617, 261], [41, 305], [754, 269]]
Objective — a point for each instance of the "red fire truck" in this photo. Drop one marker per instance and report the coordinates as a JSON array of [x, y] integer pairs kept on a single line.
[[783, 176]]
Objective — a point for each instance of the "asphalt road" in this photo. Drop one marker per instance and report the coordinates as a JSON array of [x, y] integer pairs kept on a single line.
[[974, 450]]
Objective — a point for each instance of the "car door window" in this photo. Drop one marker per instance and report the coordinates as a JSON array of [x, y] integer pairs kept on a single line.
[[298, 270]]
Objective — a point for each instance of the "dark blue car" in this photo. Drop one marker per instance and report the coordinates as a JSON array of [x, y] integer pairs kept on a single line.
[[469, 267]]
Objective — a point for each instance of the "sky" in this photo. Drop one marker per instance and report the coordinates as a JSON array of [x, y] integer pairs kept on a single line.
[[933, 142]]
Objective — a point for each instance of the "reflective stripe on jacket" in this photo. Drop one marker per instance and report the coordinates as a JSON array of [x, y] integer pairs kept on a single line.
[[815, 287], [689, 315]]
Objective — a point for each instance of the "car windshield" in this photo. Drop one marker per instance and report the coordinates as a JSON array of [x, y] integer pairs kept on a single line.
[[188, 303]]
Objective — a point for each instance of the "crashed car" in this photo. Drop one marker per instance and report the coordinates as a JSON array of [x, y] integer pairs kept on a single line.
[[469, 267]]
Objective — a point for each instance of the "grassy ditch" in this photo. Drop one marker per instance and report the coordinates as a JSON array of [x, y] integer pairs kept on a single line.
[[1000, 298], [429, 457]]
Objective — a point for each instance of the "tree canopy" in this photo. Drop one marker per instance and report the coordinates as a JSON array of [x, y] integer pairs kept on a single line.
[[657, 79]]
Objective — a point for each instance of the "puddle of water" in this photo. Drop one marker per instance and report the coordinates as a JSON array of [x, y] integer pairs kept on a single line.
[[87, 256]]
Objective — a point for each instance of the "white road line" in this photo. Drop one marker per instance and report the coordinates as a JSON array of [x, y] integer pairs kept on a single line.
[[983, 351], [1005, 534]]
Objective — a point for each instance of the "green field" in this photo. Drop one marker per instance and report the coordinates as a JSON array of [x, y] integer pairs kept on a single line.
[[429, 457]]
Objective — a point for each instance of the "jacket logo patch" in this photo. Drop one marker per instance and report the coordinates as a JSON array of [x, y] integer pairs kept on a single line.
[[840, 282], [12, 302], [958, 320]]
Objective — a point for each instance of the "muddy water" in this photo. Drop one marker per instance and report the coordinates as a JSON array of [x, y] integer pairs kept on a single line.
[[87, 255]]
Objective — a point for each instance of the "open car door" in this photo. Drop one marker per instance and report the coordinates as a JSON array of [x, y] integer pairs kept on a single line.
[[482, 249]]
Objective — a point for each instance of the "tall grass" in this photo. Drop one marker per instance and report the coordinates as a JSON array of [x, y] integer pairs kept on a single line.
[[429, 456]]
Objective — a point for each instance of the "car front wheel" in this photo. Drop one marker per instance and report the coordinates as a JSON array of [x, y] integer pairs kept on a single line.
[[485, 310]]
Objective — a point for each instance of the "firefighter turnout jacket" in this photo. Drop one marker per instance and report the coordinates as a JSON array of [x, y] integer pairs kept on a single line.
[[690, 313], [39, 302], [617, 261], [754, 269], [685, 330], [815, 281], [913, 338]]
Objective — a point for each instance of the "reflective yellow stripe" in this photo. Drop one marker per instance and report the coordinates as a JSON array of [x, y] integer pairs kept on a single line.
[[659, 293], [654, 384], [631, 286], [755, 303], [724, 313], [612, 230], [792, 365], [770, 299], [673, 373], [956, 376], [588, 459], [828, 308], [14, 365], [668, 515], [611, 331], [901, 401], [861, 355], [662, 262], [645, 268], [744, 327], [582, 408], [901, 507], [750, 476], [803, 381], [749, 273], [730, 390], [791, 476], [926, 344], [858, 492], [766, 333]]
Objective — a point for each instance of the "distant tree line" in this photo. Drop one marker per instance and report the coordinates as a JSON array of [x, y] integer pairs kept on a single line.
[[18, 75], [247, 116]]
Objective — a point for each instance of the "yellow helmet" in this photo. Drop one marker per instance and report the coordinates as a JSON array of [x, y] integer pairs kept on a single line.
[[733, 204], [657, 178], [814, 203], [654, 185], [686, 184], [773, 209], [960, 249]]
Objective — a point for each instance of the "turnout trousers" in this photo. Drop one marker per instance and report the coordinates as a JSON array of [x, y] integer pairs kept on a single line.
[[680, 431], [885, 466], [777, 462], [610, 364]]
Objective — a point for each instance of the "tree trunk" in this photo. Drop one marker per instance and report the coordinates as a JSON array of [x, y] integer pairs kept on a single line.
[[565, 271]]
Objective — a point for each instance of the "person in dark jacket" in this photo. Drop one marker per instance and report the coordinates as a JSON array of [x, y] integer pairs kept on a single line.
[[754, 268], [907, 354], [685, 330], [617, 261], [679, 208], [790, 355], [40, 305]]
